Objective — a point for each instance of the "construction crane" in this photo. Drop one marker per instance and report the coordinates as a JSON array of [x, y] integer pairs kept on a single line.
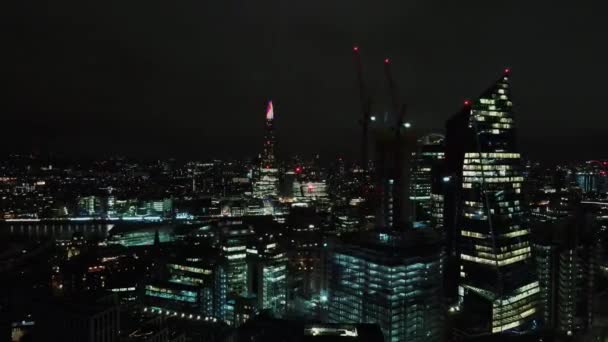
[[365, 108], [400, 111]]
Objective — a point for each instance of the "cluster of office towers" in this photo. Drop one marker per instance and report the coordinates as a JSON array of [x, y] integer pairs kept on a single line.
[[453, 255]]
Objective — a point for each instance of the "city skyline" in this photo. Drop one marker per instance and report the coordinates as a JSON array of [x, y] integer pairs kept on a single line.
[[227, 171], [441, 238], [85, 81]]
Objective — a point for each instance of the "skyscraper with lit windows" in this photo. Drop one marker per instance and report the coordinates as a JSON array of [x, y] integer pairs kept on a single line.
[[266, 181], [233, 243], [429, 155], [391, 279], [268, 273], [566, 247], [497, 286]]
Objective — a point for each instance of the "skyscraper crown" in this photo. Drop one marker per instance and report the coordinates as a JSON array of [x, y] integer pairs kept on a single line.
[[491, 116], [269, 111]]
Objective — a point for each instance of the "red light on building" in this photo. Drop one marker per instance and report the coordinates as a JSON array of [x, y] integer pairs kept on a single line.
[[298, 169], [355, 48], [387, 61], [467, 103], [507, 70]]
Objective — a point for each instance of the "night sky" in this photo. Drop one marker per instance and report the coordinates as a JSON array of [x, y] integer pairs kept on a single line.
[[190, 78]]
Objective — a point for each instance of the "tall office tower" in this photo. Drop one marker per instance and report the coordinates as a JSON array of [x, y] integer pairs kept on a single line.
[[268, 274], [439, 185], [304, 240], [546, 252], [233, 242], [266, 180], [391, 279], [429, 155], [566, 250], [549, 221], [497, 288], [577, 263]]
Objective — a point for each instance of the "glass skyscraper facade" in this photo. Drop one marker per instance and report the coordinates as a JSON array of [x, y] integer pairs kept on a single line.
[[391, 279], [429, 155], [547, 266], [268, 274], [575, 287], [233, 240], [567, 248], [498, 289]]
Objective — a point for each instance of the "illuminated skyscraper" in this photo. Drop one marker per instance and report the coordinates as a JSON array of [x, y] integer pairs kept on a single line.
[[577, 264], [268, 156], [304, 252], [266, 179], [566, 251], [429, 155], [233, 241], [268, 274], [497, 287]]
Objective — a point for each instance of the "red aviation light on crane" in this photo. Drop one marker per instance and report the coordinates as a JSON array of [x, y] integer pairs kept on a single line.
[[269, 111]]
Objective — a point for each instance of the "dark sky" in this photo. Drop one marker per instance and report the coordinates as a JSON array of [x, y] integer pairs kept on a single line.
[[190, 78]]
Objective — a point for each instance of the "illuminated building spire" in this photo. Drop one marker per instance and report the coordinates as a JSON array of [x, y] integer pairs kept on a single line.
[[266, 178], [268, 155], [269, 111]]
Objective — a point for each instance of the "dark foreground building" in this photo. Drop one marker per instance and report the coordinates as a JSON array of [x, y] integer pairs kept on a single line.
[[263, 329], [81, 319]]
